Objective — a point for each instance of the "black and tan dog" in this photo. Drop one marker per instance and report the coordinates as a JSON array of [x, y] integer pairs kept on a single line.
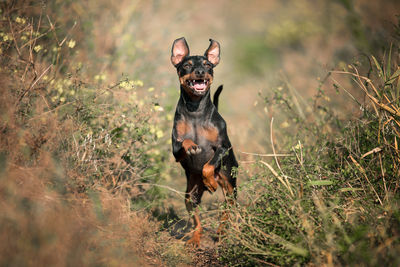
[[199, 138]]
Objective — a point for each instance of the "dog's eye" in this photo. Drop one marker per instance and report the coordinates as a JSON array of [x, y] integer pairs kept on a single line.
[[207, 65], [187, 66]]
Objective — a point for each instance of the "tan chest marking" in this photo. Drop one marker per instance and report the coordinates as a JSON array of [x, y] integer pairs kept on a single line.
[[182, 128], [209, 133]]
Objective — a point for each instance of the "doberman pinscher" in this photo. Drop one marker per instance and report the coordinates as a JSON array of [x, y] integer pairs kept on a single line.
[[199, 137]]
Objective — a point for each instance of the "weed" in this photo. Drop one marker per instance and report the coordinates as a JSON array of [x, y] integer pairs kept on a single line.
[[74, 150], [334, 199]]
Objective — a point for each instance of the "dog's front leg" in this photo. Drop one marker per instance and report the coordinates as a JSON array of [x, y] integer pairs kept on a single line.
[[184, 148]]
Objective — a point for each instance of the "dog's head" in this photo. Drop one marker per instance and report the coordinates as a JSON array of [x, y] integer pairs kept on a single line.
[[195, 72]]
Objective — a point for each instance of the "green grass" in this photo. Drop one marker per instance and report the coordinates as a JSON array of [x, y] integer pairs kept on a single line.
[[334, 199]]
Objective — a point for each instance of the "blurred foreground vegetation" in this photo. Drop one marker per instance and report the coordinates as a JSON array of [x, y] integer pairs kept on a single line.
[[86, 173]]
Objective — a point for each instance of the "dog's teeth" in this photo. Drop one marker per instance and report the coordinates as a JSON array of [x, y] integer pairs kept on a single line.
[[204, 81]]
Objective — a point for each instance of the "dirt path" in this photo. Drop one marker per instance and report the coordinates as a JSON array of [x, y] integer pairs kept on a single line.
[[179, 226]]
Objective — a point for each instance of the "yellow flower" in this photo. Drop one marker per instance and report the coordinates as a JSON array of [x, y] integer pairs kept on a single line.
[[159, 134], [158, 108], [284, 124], [37, 48], [20, 20], [138, 83], [100, 77], [129, 85], [71, 43], [298, 146], [67, 82]]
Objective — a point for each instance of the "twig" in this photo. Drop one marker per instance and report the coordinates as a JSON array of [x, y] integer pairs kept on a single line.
[[375, 150], [180, 193], [272, 144], [361, 169], [296, 96], [14, 39], [267, 155], [277, 176], [372, 98], [276, 158], [33, 84], [344, 89], [52, 110]]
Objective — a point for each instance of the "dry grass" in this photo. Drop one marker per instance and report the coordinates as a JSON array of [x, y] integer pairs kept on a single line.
[[66, 183], [335, 200]]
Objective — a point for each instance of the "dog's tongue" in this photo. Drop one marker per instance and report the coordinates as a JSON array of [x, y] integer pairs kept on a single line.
[[199, 86]]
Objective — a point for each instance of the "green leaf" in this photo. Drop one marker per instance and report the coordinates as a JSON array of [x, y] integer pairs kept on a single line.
[[320, 182], [397, 91], [378, 67], [388, 66], [394, 76]]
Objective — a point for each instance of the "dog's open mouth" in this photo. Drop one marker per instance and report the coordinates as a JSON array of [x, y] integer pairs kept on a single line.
[[198, 85]]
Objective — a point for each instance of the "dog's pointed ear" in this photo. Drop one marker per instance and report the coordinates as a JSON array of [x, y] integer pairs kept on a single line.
[[212, 52], [179, 51]]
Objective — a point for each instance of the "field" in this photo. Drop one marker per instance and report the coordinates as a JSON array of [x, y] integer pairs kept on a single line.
[[312, 103]]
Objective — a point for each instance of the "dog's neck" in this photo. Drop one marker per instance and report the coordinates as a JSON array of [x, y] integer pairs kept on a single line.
[[196, 105]]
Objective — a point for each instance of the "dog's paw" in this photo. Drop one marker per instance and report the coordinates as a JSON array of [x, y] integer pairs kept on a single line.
[[194, 150], [209, 178], [190, 147]]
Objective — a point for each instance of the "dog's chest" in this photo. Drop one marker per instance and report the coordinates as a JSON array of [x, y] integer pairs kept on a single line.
[[204, 134]]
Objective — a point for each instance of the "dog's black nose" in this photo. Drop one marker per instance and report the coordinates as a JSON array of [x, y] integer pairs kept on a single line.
[[199, 72]]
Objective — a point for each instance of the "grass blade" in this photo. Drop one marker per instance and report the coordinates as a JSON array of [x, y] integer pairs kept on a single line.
[[321, 182]]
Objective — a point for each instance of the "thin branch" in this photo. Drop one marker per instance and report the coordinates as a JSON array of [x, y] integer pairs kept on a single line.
[[33, 84], [267, 155]]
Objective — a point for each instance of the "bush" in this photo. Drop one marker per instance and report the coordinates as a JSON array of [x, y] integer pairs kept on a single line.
[[334, 198], [77, 152]]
